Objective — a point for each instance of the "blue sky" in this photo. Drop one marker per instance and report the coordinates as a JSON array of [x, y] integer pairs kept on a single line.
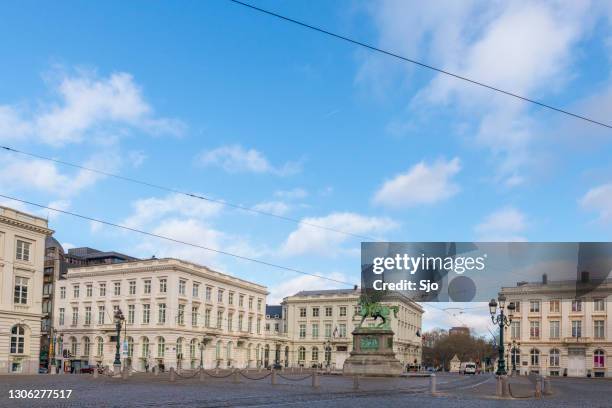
[[213, 98]]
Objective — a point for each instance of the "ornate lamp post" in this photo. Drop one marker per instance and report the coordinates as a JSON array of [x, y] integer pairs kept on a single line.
[[502, 321], [118, 318]]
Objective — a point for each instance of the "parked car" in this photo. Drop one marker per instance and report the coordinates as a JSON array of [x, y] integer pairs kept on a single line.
[[42, 370], [88, 369], [468, 368]]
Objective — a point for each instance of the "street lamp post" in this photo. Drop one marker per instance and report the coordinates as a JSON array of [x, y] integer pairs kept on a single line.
[[502, 321], [118, 323]]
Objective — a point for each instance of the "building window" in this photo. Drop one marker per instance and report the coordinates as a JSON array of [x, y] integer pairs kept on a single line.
[[145, 347], [76, 290], [220, 295], [132, 288], [315, 312], [17, 339], [328, 330], [250, 325], [517, 306], [230, 318], [576, 328], [241, 300], [130, 342], [250, 302], [554, 306], [555, 329], [315, 354], [47, 288], [88, 315], [207, 318], [230, 298], [46, 306], [240, 319], [131, 314], [75, 316], [100, 347], [302, 331], [74, 347], [89, 290], [208, 293], [23, 250], [86, 346], [342, 310], [117, 289], [62, 292], [535, 357], [328, 311], [302, 312], [515, 330], [259, 326], [598, 329], [599, 305], [102, 289], [146, 313], [147, 286], [577, 305], [315, 331], [534, 306], [599, 359], [219, 319], [163, 285], [181, 315], [195, 291], [554, 360], [101, 314], [194, 316], [181, 287], [342, 330], [161, 347], [161, 313], [259, 302], [62, 315], [302, 353], [21, 291]]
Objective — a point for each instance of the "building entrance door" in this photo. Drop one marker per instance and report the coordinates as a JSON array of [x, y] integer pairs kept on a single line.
[[576, 362]]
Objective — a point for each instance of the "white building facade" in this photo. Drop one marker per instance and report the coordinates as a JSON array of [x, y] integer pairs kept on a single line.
[[177, 314], [553, 332], [22, 246]]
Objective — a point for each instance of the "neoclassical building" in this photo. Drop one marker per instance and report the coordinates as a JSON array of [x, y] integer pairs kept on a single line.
[[315, 328], [22, 248], [554, 332], [177, 314]]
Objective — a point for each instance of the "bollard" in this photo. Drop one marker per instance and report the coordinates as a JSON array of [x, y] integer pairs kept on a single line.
[[315, 379], [355, 382], [172, 374], [432, 384], [273, 378], [124, 373], [156, 371], [538, 387], [95, 372], [505, 386], [236, 380], [201, 375]]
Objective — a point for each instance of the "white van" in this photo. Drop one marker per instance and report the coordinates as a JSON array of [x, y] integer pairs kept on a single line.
[[468, 368]]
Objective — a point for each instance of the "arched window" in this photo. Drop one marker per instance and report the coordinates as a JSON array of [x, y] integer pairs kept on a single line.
[[130, 342], [100, 347], [535, 357], [218, 350], [257, 353], [145, 347], [86, 346], [249, 352], [193, 346], [161, 347], [74, 347], [328, 351], [599, 359], [302, 353], [554, 358], [179, 348], [17, 339], [315, 354], [515, 357], [229, 352]]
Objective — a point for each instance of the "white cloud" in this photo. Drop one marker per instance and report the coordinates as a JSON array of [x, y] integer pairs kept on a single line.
[[237, 159], [292, 194], [290, 286], [477, 317], [505, 225], [148, 210], [274, 207], [599, 199], [421, 184], [86, 104], [313, 240]]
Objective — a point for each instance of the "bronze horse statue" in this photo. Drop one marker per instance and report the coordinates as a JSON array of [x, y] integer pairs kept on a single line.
[[377, 310]]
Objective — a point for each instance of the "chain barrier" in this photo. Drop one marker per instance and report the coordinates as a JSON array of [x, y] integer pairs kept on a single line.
[[294, 379], [218, 376], [253, 378], [187, 376], [518, 396]]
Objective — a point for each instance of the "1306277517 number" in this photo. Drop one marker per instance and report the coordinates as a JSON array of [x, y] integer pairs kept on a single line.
[[40, 394]]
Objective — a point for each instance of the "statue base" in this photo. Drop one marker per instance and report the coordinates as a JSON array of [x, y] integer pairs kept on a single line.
[[373, 354]]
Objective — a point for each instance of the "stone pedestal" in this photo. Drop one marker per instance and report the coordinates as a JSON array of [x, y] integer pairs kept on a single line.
[[373, 354]]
